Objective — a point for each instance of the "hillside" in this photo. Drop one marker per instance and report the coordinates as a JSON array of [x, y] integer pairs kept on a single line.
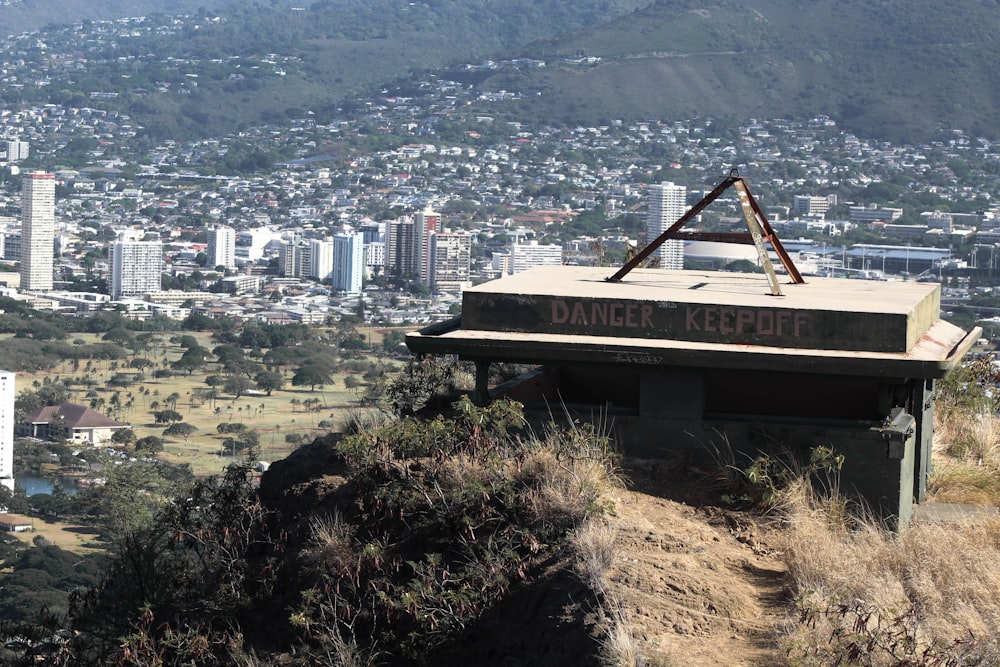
[[893, 69], [22, 15]]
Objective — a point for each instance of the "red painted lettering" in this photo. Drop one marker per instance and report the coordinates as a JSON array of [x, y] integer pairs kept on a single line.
[[801, 320], [691, 321], [599, 311], [710, 314], [560, 311], [647, 317], [616, 315], [744, 321], [765, 322], [579, 314], [630, 316], [783, 317], [725, 320]]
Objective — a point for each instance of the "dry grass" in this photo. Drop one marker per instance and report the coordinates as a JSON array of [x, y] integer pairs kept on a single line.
[[594, 546], [861, 586], [619, 647], [972, 437], [330, 543], [959, 482]]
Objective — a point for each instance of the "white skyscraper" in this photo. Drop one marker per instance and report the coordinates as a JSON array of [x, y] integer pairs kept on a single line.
[[17, 150], [532, 254], [321, 254], [136, 268], [667, 203], [451, 258], [348, 263], [7, 429], [38, 221], [221, 247]]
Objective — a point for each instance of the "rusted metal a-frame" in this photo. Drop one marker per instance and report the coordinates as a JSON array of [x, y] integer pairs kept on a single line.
[[760, 232]]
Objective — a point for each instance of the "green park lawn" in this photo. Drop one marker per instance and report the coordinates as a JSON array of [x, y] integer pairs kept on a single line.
[[296, 411]]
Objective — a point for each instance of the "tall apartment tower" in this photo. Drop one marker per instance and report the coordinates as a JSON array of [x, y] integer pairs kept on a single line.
[[402, 249], [136, 268], [667, 203], [321, 255], [38, 222], [221, 247], [17, 150], [348, 263], [451, 259], [7, 429], [425, 225]]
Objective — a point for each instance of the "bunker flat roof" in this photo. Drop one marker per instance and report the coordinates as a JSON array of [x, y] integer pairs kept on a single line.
[[705, 306], [707, 319]]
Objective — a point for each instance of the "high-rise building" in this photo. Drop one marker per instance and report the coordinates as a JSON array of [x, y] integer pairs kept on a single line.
[[667, 203], [38, 221], [451, 259], [402, 247], [425, 224], [136, 268], [295, 258], [17, 150], [531, 254], [348, 263], [375, 256], [321, 262], [7, 429], [221, 247]]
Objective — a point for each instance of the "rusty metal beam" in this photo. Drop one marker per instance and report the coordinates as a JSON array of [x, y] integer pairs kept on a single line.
[[658, 241], [760, 232]]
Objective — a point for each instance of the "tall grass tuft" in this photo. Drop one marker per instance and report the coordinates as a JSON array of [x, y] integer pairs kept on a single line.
[[869, 596]]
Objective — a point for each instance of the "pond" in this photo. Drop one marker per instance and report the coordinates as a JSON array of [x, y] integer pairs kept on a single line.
[[34, 486]]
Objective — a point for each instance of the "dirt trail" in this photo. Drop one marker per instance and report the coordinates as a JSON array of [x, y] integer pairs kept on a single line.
[[700, 587]]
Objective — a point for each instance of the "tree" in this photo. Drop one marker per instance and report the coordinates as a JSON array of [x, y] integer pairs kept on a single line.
[[124, 436], [312, 376], [193, 359], [237, 385], [180, 429], [245, 440], [268, 381], [167, 416], [151, 445]]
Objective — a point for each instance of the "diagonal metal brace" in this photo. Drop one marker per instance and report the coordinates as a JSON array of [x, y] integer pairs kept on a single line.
[[760, 229]]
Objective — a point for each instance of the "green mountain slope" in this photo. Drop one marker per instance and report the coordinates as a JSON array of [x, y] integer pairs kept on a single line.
[[328, 51], [893, 68], [22, 15]]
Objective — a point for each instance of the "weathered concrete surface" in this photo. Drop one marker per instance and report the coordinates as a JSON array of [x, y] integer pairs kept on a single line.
[[707, 307]]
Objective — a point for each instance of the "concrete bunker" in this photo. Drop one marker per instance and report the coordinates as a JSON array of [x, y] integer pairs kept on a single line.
[[678, 359]]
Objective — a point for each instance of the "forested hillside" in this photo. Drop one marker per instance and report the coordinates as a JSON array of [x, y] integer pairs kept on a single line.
[[897, 69], [892, 69]]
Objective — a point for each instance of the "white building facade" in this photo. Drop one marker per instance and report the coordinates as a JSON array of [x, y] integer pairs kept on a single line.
[[321, 253], [348, 263], [451, 260], [38, 221], [531, 254], [136, 268], [7, 394], [221, 247], [667, 203]]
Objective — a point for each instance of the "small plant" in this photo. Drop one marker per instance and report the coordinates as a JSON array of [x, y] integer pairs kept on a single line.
[[594, 544], [863, 634], [761, 483]]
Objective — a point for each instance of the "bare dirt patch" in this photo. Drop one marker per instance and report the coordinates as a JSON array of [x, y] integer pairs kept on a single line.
[[699, 584]]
